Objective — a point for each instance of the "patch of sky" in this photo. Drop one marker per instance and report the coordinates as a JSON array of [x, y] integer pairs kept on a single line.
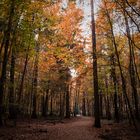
[[86, 7]]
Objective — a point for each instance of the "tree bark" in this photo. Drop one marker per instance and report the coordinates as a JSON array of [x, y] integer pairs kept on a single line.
[[97, 122], [35, 81], [84, 104], [113, 74], [67, 102], [12, 78]]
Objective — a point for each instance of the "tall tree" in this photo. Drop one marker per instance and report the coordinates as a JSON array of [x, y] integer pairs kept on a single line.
[[97, 122]]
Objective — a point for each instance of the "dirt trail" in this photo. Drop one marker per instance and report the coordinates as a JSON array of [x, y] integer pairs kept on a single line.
[[79, 128]]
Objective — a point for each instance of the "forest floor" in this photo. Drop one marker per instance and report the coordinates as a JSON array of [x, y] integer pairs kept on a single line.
[[79, 128]]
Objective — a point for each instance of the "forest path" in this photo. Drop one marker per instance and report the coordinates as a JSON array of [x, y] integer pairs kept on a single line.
[[77, 128]]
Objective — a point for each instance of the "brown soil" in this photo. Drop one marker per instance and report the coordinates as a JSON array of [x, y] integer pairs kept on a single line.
[[79, 128]]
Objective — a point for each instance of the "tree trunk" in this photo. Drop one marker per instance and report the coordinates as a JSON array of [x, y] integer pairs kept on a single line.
[[113, 74], [46, 102], [12, 80], [97, 122], [43, 106], [84, 104], [35, 81], [67, 102], [107, 100], [51, 104], [101, 104]]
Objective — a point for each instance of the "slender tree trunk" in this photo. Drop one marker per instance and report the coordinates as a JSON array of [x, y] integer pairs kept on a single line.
[[108, 108], [46, 102], [84, 104], [113, 74], [23, 75], [88, 107], [51, 103], [107, 100], [97, 122], [43, 106], [67, 102], [63, 105], [101, 104], [76, 103], [35, 81], [12, 80]]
